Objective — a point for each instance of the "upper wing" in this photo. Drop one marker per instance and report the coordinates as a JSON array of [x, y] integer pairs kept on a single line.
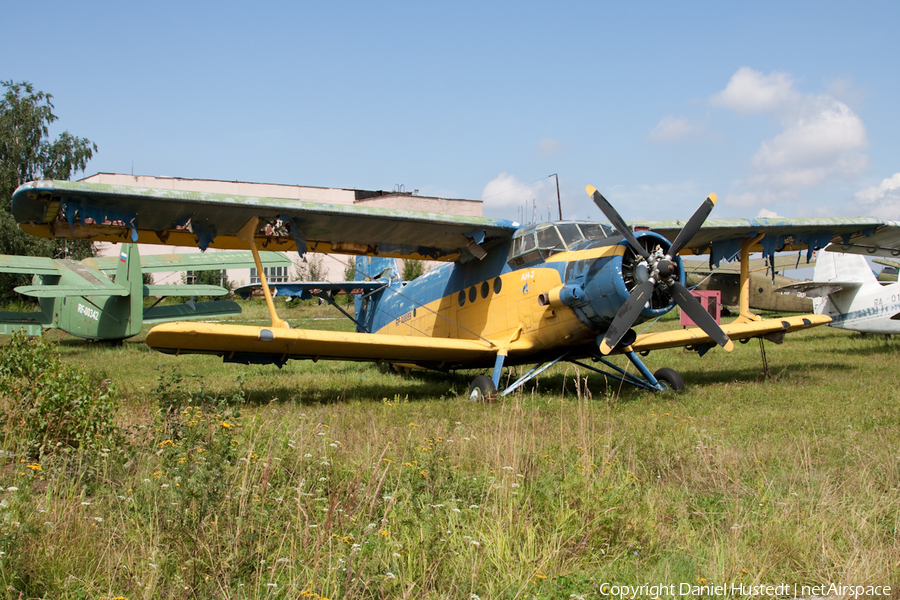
[[100, 212], [33, 265], [193, 261], [693, 336], [723, 237]]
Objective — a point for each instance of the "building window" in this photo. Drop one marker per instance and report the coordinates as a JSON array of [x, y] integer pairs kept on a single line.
[[273, 275], [191, 277]]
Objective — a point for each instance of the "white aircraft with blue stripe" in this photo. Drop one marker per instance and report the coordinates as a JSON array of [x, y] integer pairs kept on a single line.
[[845, 289]]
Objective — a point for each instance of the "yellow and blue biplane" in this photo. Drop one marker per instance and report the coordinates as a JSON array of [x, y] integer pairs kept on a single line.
[[508, 295]]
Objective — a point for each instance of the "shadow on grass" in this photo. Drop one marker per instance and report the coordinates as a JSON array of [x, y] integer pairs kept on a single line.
[[599, 386], [352, 381], [366, 385]]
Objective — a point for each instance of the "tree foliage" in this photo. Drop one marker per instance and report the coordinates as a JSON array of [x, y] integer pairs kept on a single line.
[[27, 153], [311, 268], [412, 269]]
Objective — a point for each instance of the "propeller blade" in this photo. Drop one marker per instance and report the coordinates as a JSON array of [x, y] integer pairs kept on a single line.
[[610, 213], [693, 225], [700, 316], [626, 316]]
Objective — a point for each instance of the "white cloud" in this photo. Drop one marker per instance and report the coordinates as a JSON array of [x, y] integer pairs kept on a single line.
[[672, 129], [825, 140], [765, 213], [821, 139], [549, 147], [882, 200], [505, 194], [750, 91]]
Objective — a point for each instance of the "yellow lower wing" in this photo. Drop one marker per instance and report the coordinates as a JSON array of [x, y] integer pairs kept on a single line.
[[233, 341], [736, 331]]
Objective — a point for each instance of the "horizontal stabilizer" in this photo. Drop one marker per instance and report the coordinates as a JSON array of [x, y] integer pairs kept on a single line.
[[184, 289], [814, 289], [196, 310], [30, 265], [305, 290], [61, 291]]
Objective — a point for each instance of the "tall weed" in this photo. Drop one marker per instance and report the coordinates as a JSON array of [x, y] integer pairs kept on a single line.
[[49, 407]]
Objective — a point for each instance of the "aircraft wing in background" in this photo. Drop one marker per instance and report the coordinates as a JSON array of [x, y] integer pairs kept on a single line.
[[305, 290], [194, 261], [31, 265]]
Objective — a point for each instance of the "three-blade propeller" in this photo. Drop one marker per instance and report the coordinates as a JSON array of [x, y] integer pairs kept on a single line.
[[663, 272]]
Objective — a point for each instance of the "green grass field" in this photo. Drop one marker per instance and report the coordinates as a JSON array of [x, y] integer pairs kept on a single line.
[[341, 480]]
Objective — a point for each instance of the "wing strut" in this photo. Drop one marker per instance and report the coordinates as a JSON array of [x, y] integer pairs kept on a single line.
[[248, 234], [746, 315]]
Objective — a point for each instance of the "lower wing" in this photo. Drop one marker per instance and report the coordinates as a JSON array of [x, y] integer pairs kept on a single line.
[[244, 343], [694, 336]]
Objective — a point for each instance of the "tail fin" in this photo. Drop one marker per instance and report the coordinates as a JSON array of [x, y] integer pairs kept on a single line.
[[843, 268], [370, 268], [130, 276], [376, 267]]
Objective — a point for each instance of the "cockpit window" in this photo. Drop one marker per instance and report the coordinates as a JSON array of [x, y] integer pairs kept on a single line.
[[535, 242], [595, 231], [548, 239], [570, 233]]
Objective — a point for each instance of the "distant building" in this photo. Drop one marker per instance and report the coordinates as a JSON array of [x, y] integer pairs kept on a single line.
[[333, 266]]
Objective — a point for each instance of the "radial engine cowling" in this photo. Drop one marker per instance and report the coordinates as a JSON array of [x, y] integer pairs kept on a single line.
[[596, 289]]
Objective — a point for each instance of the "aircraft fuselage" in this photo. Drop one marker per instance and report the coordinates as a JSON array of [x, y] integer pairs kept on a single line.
[[537, 295]]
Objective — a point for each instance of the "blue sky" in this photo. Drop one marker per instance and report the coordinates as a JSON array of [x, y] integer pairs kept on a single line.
[[785, 108]]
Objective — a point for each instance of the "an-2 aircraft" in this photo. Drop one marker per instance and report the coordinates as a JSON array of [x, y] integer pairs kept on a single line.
[[79, 297], [765, 282], [845, 288], [510, 295]]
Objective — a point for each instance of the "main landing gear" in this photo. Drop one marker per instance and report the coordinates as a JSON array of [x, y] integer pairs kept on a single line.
[[663, 380], [482, 389]]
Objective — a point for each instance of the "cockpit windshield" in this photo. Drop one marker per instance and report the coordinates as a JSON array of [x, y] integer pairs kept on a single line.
[[540, 241]]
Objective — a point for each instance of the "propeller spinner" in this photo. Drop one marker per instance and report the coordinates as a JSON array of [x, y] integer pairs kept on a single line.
[[661, 271]]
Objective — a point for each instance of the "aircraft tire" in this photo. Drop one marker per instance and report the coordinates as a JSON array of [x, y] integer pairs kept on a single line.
[[482, 389], [671, 379]]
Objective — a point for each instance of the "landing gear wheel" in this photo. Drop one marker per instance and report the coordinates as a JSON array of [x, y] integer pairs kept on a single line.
[[482, 389], [671, 379]]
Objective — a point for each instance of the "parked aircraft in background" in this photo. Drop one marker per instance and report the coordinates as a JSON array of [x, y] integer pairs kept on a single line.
[[510, 294], [889, 270], [80, 299], [764, 283], [845, 288]]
